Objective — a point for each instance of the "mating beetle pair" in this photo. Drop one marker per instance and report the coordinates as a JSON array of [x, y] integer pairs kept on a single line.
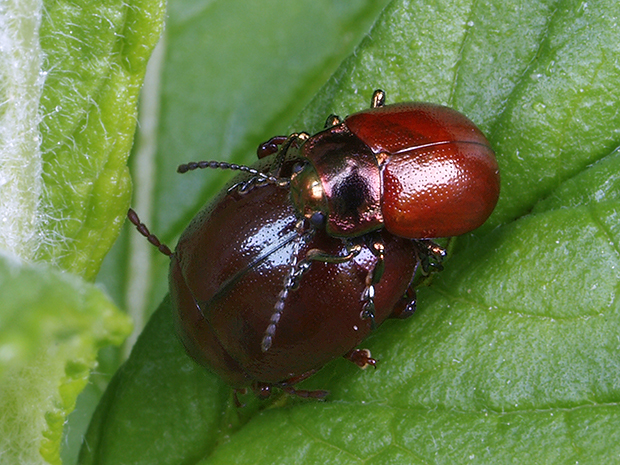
[[306, 252]]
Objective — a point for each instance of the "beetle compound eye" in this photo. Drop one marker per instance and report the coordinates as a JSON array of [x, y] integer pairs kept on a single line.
[[298, 167], [317, 219]]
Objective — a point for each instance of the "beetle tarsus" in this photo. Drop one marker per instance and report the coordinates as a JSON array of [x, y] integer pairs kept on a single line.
[[361, 357], [431, 256], [368, 313], [287, 386], [236, 393], [264, 390], [406, 306], [373, 277]]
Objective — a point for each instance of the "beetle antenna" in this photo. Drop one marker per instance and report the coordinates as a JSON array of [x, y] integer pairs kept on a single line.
[[222, 165], [152, 238], [291, 280]]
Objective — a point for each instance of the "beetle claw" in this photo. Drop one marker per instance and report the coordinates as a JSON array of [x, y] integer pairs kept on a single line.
[[361, 357]]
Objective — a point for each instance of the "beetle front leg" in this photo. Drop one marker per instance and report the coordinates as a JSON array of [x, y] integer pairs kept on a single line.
[[280, 145]]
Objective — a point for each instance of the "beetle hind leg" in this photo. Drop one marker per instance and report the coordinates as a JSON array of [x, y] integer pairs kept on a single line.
[[264, 390], [361, 357]]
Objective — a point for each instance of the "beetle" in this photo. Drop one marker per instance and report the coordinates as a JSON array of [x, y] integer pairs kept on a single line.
[[307, 251]]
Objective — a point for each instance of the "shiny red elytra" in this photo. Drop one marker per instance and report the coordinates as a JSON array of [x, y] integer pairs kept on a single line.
[[306, 252], [418, 170]]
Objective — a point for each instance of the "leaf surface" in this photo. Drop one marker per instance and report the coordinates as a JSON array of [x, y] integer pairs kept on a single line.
[[70, 73], [512, 353]]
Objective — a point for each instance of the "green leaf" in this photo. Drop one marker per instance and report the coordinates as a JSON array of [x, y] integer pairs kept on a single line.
[[95, 59], [512, 354], [70, 73], [158, 387], [52, 325]]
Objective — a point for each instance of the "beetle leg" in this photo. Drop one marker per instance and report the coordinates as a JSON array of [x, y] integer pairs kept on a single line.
[[279, 145], [271, 146], [294, 139], [305, 394], [298, 268], [431, 255], [373, 277], [332, 120], [264, 390], [361, 357], [286, 386], [236, 393], [378, 99], [406, 306], [318, 255]]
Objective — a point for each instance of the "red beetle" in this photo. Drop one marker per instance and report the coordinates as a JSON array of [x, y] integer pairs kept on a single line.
[[418, 169], [271, 283]]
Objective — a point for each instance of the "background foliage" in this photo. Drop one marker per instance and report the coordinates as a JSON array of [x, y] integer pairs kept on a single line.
[[513, 351]]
